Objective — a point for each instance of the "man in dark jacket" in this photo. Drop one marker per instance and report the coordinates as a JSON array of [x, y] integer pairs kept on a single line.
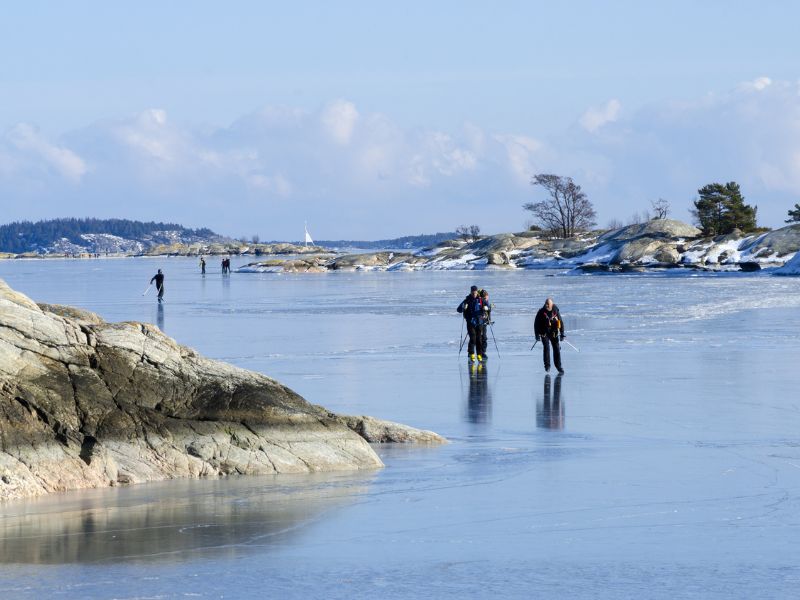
[[470, 307], [548, 326], [159, 279]]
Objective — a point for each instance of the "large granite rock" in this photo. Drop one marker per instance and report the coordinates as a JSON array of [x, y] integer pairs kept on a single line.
[[778, 243], [85, 403], [652, 243], [656, 228], [380, 260]]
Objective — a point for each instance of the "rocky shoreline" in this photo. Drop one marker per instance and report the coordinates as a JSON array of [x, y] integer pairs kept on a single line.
[[656, 244], [85, 403], [181, 249]]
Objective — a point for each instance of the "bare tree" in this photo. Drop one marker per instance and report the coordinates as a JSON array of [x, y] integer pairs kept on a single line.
[[615, 224], [468, 232], [567, 211], [256, 239], [660, 208], [638, 218]]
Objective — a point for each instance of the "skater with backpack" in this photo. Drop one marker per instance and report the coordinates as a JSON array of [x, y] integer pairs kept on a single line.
[[548, 326]]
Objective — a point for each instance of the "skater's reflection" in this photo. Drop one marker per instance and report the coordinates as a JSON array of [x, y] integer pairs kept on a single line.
[[550, 410], [226, 287], [160, 317], [479, 399]]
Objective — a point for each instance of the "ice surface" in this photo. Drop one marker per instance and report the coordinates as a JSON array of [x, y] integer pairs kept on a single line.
[[665, 463]]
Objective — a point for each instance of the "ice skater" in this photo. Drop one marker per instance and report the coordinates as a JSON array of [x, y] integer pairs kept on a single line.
[[159, 279], [548, 326]]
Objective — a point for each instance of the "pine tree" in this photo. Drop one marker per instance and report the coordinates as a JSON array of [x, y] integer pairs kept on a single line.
[[794, 214], [720, 209]]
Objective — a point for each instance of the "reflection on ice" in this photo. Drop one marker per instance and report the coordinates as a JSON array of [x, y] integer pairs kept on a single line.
[[479, 399], [171, 521], [550, 408]]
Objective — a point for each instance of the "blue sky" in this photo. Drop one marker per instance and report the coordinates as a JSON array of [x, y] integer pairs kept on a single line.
[[373, 120]]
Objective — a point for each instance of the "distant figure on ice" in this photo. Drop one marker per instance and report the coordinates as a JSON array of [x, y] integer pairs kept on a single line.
[[548, 326], [202, 265], [159, 279]]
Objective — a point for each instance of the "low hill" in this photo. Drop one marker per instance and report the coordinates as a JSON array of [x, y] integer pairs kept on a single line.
[[96, 235]]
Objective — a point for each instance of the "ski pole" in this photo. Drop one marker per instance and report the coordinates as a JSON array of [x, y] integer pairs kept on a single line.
[[147, 290], [494, 339], [460, 336], [534, 344], [462, 344], [566, 342]]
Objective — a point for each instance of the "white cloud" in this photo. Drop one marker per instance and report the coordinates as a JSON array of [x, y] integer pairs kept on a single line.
[[594, 118], [339, 120], [757, 85], [67, 163], [520, 151], [276, 185], [152, 137], [336, 161], [437, 154]]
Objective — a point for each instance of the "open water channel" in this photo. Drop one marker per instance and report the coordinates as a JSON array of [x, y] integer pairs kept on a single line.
[[665, 463]]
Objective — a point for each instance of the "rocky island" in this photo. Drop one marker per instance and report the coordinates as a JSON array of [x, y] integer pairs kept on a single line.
[[86, 403], [655, 244]]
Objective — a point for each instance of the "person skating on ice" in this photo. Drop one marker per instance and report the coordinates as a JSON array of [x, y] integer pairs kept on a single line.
[[548, 326]]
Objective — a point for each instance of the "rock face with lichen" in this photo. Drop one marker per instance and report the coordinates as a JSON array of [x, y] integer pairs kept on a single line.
[[85, 403]]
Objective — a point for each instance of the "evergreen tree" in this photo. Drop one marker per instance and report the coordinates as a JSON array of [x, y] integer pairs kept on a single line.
[[720, 209], [794, 214]]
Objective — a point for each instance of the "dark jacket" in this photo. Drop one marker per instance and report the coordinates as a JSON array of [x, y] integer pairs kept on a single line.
[[465, 307], [549, 323], [159, 279]]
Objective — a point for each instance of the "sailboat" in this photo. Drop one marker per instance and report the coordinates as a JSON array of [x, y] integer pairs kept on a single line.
[[308, 236]]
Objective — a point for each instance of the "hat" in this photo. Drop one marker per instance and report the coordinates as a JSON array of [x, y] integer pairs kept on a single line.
[[474, 288]]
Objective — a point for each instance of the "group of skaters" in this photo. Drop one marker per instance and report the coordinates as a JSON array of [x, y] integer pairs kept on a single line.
[[158, 278], [548, 325], [226, 265], [477, 312], [548, 328]]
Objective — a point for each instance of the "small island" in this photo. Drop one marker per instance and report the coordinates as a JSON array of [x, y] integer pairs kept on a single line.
[[85, 403]]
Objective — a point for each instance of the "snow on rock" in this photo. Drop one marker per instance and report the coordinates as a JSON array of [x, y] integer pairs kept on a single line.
[[657, 244], [792, 267]]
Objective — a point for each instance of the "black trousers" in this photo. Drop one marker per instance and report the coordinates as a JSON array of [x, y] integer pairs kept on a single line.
[[546, 342], [482, 340], [474, 338]]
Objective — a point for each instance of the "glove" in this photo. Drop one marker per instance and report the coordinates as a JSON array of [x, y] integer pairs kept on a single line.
[[562, 337]]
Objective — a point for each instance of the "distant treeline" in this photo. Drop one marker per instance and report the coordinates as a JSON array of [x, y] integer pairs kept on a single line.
[[25, 236], [409, 241]]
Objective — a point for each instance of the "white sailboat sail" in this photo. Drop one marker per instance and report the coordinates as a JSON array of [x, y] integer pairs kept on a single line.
[[308, 236]]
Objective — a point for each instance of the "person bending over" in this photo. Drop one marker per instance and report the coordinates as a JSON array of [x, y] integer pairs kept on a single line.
[[548, 326]]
